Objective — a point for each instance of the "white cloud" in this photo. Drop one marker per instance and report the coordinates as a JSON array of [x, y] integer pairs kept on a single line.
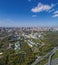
[[55, 15], [52, 10], [34, 15], [42, 7], [56, 12]]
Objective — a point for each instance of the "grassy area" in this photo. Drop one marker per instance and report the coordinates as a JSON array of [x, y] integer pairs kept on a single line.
[[29, 55], [35, 40], [43, 61], [55, 55], [56, 64], [46, 59]]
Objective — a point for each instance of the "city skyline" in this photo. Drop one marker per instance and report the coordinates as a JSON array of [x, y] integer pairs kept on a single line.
[[16, 13]]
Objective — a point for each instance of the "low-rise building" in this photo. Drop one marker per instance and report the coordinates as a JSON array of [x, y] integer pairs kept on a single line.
[[15, 46]]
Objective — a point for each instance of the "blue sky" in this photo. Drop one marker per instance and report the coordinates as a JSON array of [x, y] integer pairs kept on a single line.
[[16, 13]]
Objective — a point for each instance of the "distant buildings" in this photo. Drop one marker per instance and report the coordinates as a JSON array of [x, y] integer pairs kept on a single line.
[[14, 37]]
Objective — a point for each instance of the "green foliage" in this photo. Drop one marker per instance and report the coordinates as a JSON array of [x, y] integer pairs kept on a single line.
[[26, 57]]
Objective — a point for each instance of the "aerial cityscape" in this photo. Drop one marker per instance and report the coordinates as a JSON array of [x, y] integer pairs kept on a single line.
[[28, 32]]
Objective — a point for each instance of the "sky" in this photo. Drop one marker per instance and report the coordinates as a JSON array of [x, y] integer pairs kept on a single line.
[[24, 13]]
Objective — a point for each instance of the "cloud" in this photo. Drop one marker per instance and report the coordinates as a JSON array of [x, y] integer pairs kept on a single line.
[[55, 14], [42, 7], [34, 15], [52, 10]]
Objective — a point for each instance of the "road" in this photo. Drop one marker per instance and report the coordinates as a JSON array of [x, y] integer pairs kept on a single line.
[[50, 62], [54, 62], [39, 59], [49, 54]]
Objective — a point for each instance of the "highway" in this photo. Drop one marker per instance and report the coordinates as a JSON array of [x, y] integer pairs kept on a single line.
[[49, 54], [39, 59], [54, 62], [50, 62]]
